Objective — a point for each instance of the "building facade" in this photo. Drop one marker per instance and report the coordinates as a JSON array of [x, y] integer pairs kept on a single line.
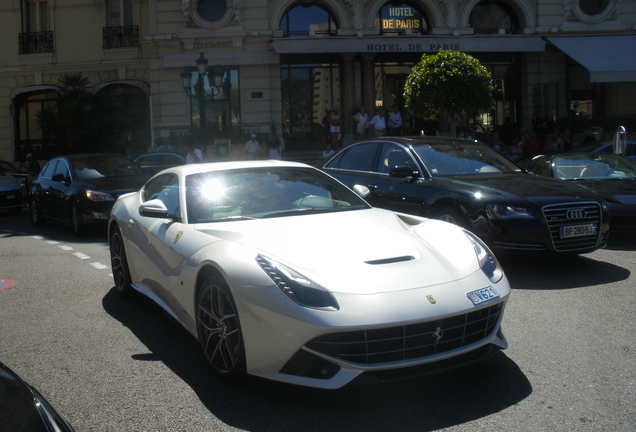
[[290, 62]]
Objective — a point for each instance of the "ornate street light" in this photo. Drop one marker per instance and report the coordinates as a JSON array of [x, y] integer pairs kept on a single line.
[[215, 79]]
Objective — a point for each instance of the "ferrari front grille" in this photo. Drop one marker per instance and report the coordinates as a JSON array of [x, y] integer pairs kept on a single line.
[[412, 341], [584, 214]]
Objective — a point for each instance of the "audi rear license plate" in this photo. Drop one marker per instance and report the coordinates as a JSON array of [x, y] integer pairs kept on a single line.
[[482, 295], [578, 230]]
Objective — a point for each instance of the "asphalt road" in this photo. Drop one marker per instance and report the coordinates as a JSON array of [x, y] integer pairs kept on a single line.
[[109, 364]]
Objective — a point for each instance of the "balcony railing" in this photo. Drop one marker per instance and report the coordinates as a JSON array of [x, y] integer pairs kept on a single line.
[[36, 42], [121, 37]]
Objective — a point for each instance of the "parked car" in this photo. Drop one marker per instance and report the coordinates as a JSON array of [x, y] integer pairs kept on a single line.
[[610, 175], [607, 147], [476, 187], [152, 163], [13, 190], [81, 189], [24, 409], [282, 272], [10, 168]]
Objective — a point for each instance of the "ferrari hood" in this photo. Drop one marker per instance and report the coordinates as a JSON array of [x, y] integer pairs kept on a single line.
[[366, 251]]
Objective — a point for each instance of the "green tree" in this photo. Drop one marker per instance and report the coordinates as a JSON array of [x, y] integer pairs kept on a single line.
[[448, 82]]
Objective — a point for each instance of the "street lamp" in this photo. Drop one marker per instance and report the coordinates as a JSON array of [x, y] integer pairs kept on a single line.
[[215, 78]]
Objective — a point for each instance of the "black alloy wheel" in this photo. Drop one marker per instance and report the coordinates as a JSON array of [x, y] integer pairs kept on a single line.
[[119, 263], [454, 216], [219, 329], [37, 219]]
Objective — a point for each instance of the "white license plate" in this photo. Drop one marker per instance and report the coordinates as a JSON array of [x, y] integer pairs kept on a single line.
[[578, 230], [482, 295]]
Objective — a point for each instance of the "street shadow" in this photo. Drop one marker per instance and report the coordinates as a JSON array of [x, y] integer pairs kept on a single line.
[[561, 273], [426, 404]]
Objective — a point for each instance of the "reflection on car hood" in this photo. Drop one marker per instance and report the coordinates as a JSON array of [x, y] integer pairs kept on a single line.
[[519, 187], [622, 191], [362, 252], [9, 182], [117, 185]]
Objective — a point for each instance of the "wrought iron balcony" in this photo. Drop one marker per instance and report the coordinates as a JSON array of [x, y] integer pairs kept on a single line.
[[36, 42], [121, 37]]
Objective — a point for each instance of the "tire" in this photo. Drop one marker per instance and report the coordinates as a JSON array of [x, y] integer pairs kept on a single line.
[[37, 219], [219, 329], [454, 216], [78, 226], [119, 264]]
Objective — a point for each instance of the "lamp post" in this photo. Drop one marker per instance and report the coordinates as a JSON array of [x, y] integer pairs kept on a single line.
[[216, 76]]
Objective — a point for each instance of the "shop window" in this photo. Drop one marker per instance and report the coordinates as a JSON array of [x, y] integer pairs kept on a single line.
[[401, 18], [34, 127], [493, 17], [308, 20], [310, 92]]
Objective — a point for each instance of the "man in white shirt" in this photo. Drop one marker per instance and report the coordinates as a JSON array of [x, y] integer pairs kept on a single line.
[[195, 155], [395, 122]]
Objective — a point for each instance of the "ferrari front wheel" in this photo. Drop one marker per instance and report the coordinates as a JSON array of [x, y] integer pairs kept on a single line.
[[219, 329], [119, 263]]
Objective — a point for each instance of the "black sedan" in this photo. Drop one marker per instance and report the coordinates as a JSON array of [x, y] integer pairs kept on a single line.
[[472, 185], [81, 189], [611, 175], [152, 163]]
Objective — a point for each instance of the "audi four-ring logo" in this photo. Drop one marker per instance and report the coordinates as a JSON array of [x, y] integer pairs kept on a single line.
[[576, 213]]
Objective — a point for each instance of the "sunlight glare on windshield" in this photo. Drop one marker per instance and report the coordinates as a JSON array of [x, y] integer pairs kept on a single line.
[[213, 189]]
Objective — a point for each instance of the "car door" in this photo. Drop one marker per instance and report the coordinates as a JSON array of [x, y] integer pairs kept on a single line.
[[369, 164], [58, 197], [151, 240]]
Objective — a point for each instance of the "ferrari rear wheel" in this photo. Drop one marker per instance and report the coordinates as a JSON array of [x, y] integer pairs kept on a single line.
[[219, 329], [119, 263]]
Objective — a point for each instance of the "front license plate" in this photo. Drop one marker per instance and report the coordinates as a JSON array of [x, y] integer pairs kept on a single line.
[[482, 295], [578, 230]]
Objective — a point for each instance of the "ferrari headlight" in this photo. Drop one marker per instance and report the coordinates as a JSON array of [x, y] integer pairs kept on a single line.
[[98, 196], [297, 287], [506, 212], [487, 261]]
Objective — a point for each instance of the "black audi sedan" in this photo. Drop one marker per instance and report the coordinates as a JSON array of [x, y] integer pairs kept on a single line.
[[81, 189], [610, 175], [474, 186]]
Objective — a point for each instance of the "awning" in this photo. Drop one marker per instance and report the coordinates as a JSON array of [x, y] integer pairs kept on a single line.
[[409, 44], [608, 58]]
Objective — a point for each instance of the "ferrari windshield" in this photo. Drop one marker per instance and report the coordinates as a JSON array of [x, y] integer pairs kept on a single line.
[[254, 193], [459, 158], [594, 166]]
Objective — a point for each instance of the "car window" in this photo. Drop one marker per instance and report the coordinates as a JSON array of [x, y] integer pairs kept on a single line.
[[359, 157], [393, 156], [48, 170], [98, 166], [62, 170], [255, 193], [540, 166], [165, 188]]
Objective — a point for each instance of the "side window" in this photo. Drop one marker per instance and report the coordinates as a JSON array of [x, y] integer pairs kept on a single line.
[[359, 157], [61, 171], [166, 189], [48, 170], [394, 156], [631, 150]]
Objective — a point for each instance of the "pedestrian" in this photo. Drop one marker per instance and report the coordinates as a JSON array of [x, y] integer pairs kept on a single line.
[[334, 127], [362, 123], [251, 148], [395, 122], [378, 124], [273, 142], [165, 146], [195, 155], [328, 152]]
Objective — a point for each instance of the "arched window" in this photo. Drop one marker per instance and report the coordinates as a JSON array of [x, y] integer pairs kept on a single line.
[[33, 123], [593, 7], [308, 20], [401, 18], [212, 10], [488, 17]]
